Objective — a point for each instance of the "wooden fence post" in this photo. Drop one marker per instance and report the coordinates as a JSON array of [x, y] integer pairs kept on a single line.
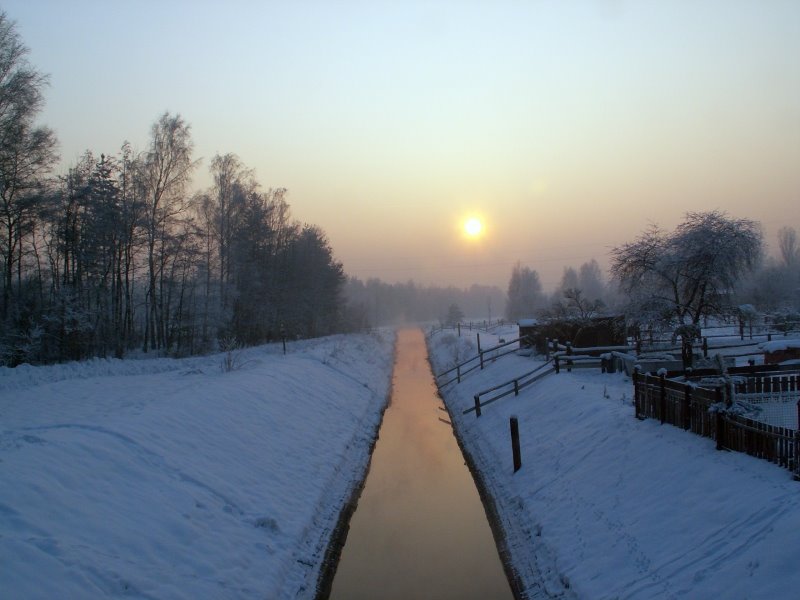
[[662, 396], [797, 455], [798, 415], [459, 329], [477, 406], [719, 420], [515, 444], [555, 361], [458, 373], [687, 404], [480, 353], [569, 360], [516, 387], [705, 347]]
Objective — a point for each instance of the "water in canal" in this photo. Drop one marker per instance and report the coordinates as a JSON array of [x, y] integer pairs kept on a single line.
[[420, 530]]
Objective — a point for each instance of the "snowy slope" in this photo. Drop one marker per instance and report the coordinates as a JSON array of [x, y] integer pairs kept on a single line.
[[606, 506], [172, 479]]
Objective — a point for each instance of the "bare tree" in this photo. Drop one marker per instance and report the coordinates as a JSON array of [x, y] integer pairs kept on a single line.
[[27, 152], [680, 277], [231, 181], [787, 243], [524, 293], [590, 281], [165, 173]]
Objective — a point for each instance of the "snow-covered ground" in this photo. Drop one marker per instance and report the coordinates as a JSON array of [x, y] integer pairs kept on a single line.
[[606, 506], [173, 479]]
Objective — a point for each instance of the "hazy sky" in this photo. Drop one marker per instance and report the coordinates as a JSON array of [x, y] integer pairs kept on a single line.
[[568, 126]]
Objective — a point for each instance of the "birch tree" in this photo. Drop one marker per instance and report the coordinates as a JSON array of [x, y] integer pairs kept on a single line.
[[165, 173], [27, 151]]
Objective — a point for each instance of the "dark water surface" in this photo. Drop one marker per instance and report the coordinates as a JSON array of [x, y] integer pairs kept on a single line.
[[420, 530]]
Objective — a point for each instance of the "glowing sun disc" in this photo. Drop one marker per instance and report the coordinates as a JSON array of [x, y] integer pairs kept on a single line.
[[473, 227]]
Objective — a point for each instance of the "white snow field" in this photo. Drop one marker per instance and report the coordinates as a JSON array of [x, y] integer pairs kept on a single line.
[[607, 506], [173, 479]]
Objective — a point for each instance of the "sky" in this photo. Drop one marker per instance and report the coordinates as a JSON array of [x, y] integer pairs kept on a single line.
[[567, 127]]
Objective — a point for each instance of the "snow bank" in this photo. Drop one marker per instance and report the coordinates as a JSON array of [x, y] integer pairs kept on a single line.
[[606, 506], [172, 479]]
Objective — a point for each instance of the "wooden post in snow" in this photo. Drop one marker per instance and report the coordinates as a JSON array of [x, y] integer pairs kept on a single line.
[[515, 444]]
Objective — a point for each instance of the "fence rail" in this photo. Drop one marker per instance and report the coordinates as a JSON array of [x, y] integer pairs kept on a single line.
[[703, 411], [486, 326], [480, 359], [512, 386]]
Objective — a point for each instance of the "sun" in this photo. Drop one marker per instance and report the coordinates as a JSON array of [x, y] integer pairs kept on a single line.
[[473, 227]]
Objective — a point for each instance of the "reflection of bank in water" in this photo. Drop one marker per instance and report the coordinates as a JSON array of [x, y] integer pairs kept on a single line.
[[420, 530]]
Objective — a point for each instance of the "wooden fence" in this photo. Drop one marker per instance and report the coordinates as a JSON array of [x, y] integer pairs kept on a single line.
[[769, 385], [478, 361], [704, 412], [512, 386], [486, 326]]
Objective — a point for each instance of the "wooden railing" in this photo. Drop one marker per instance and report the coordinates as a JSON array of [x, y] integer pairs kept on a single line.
[[512, 386], [486, 326], [480, 360]]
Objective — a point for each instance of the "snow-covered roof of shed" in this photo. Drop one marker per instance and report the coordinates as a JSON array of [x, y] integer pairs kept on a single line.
[[527, 322], [778, 345]]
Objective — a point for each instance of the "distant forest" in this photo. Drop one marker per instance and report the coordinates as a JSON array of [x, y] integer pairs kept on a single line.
[[375, 302]]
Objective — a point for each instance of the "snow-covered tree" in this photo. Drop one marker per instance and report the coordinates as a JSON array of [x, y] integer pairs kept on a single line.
[[590, 281], [678, 278], [454, 316], [787, 244], [524, 293]]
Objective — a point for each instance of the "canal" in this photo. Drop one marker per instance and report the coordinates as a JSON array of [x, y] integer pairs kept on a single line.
[[420, 530]]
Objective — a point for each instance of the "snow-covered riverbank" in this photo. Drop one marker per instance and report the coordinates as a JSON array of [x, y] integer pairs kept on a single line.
[[172, 479], [606, 506]]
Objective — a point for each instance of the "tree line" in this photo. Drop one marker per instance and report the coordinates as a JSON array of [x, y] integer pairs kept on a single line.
[[582, 292], [711, 265], [118, 256], [375, 302]]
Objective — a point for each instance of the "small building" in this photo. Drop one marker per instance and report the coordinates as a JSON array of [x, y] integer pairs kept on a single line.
[[581, 333], [779, 351], [527, 327]]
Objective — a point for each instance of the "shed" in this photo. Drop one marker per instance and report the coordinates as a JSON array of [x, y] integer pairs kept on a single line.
[[527, 327], [591, 332], [779, 351]]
